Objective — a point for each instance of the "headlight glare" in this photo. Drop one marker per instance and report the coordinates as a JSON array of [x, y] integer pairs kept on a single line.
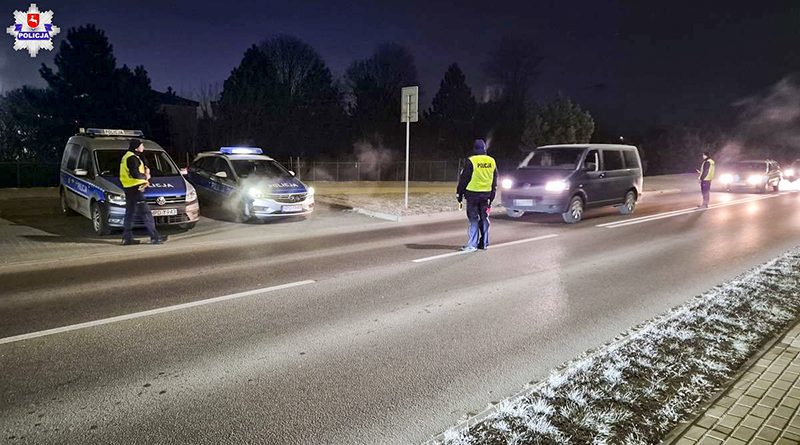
[[726, 178], [754, 179], [507, 183], [255, 193], [556, 186]]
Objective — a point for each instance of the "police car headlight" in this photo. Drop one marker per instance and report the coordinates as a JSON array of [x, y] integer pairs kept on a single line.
[[726, 178], [191, 194], [556, 186], [754, 179], [311, 191], [507, 183], [256, 193], [116, 199]]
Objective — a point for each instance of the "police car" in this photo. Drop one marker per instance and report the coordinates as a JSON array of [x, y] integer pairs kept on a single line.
[[90, 184], [249, 183]]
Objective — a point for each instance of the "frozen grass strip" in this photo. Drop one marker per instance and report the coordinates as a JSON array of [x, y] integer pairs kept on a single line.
[[637, 388]]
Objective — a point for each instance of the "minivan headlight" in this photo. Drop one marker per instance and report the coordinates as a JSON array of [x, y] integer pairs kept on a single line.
[[556, 186], [726, 178], [115, 199], [191, 194], [507, 183]]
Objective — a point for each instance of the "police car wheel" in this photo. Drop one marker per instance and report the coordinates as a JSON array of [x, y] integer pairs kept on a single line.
[[100, 220], [574, 212], [65, 209], [629, 205]]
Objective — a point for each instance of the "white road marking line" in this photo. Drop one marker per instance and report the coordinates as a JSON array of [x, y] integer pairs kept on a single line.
[[150, 312], [494, 246], [644, 219]]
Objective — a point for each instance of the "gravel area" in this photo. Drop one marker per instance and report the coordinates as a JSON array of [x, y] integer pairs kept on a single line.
[[636, 389]]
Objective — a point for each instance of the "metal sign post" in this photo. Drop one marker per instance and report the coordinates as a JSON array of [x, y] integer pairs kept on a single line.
[[408, 113]]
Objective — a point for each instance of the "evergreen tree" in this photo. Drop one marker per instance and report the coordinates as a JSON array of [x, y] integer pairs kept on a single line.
[[559, 121], [281, 97], [452, 113]]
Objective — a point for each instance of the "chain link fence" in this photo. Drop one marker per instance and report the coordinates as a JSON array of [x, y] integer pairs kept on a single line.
[[430, 171], [46, 174], [29, 174]]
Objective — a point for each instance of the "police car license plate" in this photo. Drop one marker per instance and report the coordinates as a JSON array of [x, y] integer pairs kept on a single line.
[[297, 208], [165, 212], [523, 202]]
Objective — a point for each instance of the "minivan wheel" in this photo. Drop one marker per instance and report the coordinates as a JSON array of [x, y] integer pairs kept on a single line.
[[630, 203], [574, 212], [514, 213], [65, 209], [100, 220]]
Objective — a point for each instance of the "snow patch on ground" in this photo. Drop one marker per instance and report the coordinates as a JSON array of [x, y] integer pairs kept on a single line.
[[637, 388]]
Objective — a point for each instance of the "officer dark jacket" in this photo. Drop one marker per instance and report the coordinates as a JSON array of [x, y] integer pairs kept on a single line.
[[478, 180]]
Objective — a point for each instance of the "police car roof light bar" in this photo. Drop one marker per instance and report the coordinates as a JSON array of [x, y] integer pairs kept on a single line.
[[111, 132], [241, 150]]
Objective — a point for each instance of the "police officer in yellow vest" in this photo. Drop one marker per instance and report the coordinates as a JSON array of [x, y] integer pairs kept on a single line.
[[478, 183], [135, 177], [706, 172]]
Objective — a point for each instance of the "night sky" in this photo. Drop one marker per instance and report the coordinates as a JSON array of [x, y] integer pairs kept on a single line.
[[637, 63]]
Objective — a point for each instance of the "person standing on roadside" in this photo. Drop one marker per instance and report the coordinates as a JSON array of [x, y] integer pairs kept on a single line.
[[478, 184], [135, 177], [706, 172]]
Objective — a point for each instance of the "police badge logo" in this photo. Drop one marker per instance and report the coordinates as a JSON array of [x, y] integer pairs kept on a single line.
[[33, 30]]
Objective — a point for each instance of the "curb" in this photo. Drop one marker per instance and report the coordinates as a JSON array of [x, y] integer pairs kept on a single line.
[[677, 433]]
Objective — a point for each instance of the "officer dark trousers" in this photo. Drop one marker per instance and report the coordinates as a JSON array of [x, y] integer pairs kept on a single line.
[[478, 231], [136, 205], [705, 190]]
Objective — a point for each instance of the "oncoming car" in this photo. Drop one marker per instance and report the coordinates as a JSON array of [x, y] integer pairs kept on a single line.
[[567, 179], [90, 184], [756, 176], [249, 183]]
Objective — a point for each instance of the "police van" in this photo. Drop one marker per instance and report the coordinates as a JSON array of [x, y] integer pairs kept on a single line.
[[249, 183], [90, 184]]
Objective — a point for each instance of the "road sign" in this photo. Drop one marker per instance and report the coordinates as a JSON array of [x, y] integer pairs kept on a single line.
[[409, 104]]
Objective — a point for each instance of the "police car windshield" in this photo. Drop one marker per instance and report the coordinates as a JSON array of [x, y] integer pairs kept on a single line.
[[259, 167], [159, 162], [560, 158]]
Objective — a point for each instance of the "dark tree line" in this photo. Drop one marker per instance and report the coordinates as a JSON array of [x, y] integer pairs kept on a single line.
[[283, 97]]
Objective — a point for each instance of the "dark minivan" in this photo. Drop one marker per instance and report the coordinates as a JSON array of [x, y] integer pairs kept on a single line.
[[567, 179]]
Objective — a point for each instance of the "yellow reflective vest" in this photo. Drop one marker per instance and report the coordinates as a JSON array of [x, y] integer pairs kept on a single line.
[[125, 177], [483, 168], [711, 168]]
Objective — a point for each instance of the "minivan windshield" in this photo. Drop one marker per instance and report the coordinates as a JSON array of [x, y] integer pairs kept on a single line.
[[748, 167], [159, 162], [556, 157], [260, 168]]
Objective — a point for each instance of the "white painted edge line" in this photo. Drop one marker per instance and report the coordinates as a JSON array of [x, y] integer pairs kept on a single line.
[[150, 312], [494, 246], [644, 219]]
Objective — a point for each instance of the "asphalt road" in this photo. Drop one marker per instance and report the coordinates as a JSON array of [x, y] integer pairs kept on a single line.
[[367, 346]]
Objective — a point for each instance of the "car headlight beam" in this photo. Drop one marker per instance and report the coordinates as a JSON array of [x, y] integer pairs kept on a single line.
[[556, 186], [755, 179], [507, 183], [256, 193], [726, 178]]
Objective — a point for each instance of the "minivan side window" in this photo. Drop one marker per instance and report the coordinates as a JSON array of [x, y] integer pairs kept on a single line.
[[631, 160], [85, 162], [71, 156], [592, 161], [612, 160]]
